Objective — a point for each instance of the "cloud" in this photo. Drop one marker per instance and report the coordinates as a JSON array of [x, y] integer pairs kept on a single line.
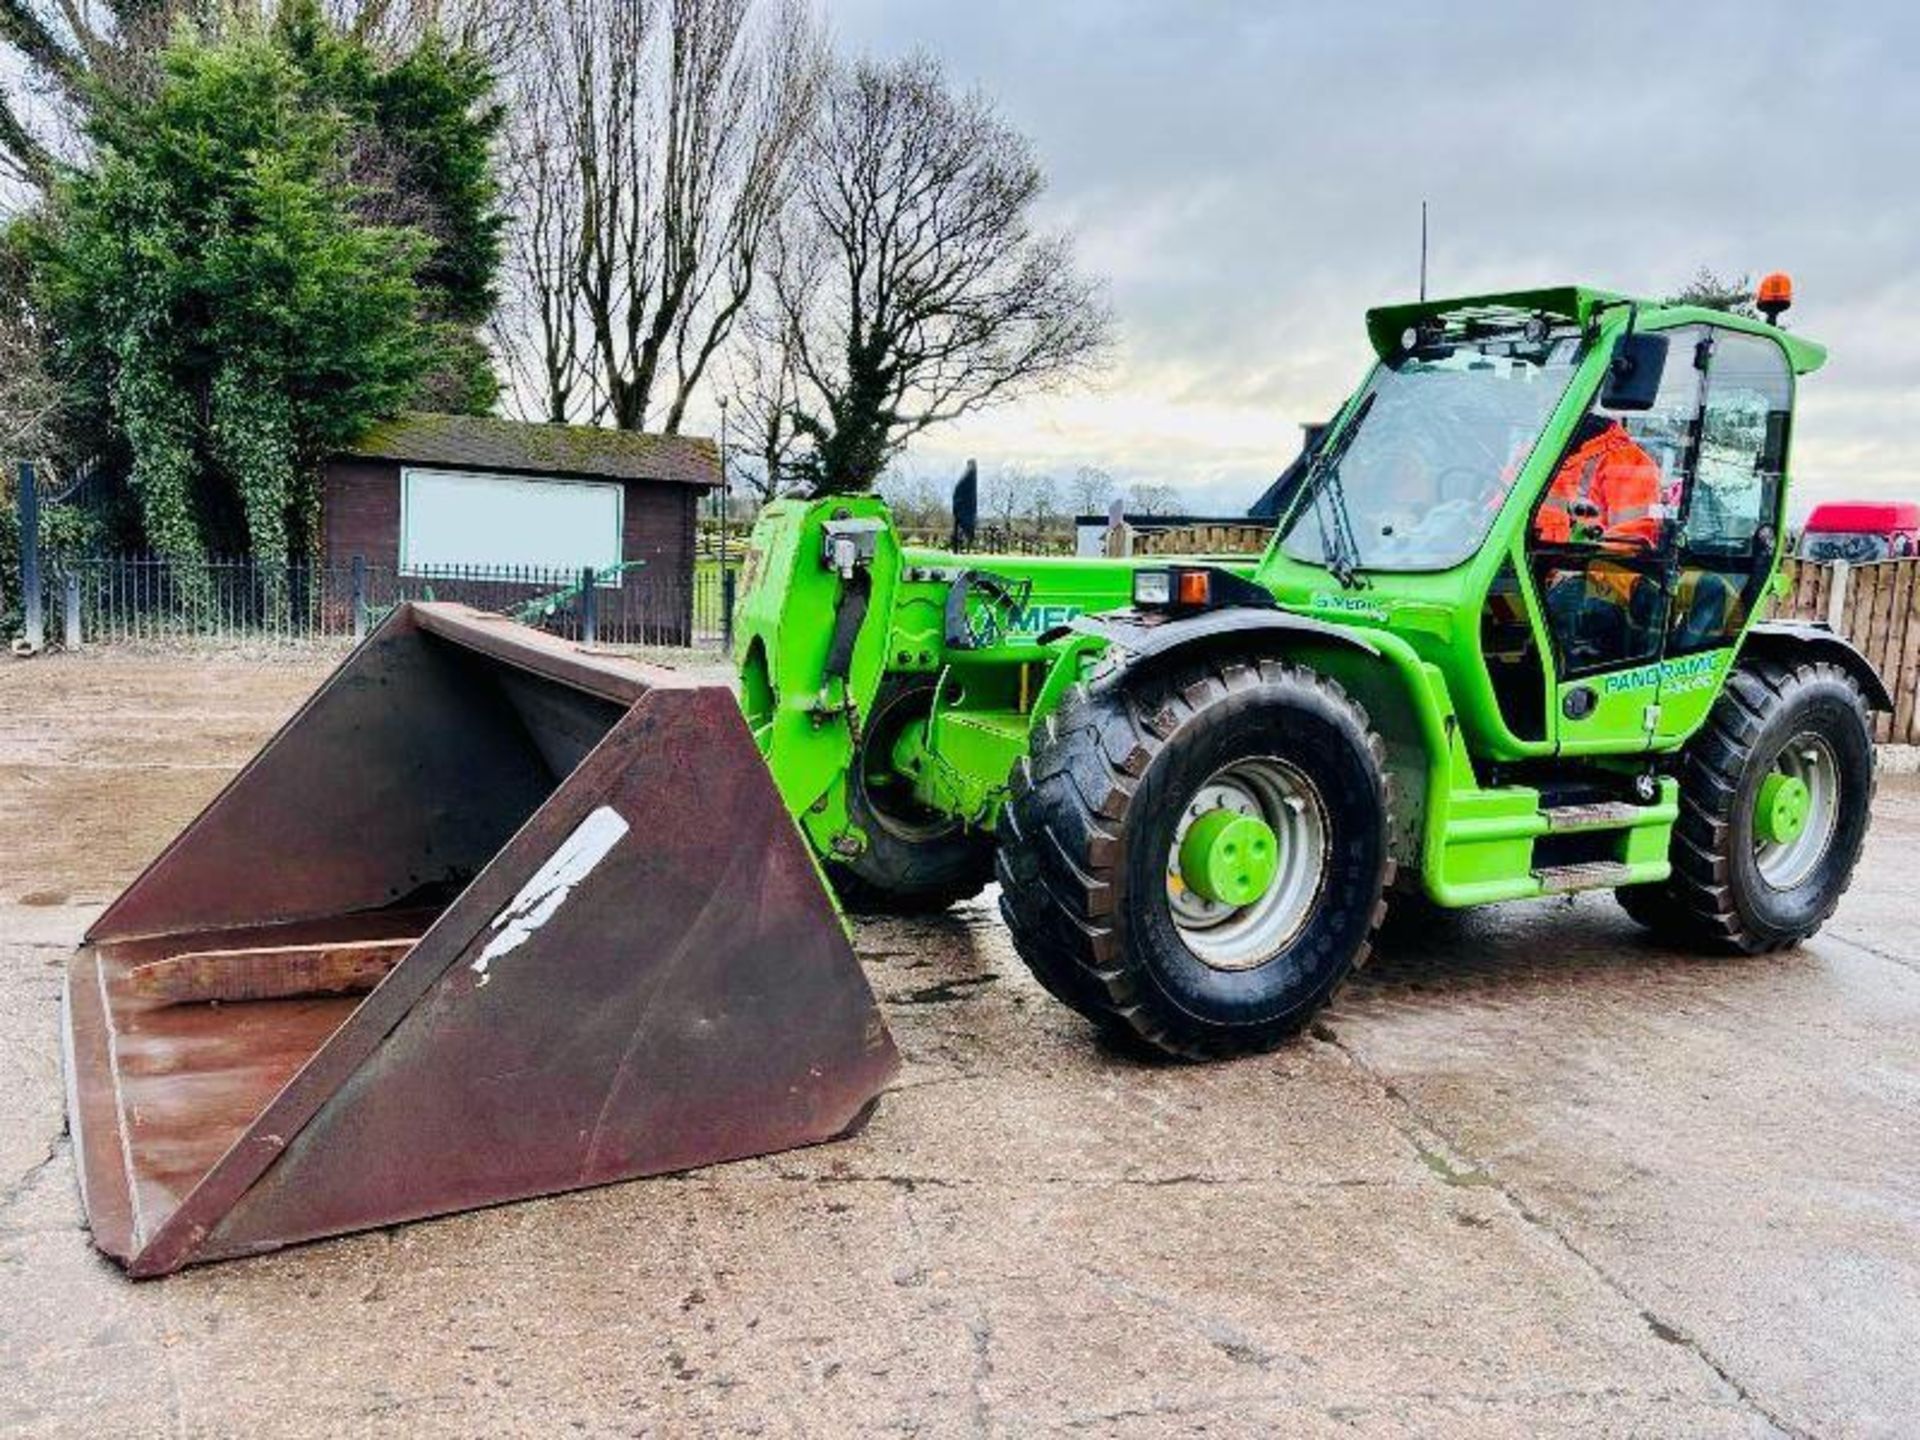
[[1250, 174]]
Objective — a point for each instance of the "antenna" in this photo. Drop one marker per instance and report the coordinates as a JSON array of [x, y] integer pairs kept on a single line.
[[1423, 250]]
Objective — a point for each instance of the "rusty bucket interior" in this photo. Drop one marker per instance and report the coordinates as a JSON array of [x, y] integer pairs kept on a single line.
[[492, 916]]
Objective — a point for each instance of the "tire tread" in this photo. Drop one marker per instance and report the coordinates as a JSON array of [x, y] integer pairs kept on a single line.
[[1698, 905], [1062, 849]]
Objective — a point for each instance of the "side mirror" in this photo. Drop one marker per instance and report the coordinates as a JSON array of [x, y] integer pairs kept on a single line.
[[966, 508], [1633, 376]]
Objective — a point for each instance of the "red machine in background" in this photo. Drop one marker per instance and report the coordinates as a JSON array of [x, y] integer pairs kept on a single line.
[[1858, 531]]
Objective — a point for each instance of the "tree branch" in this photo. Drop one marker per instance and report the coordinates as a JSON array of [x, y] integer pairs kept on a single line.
[[919, 292], [25, 31], [29, 160]]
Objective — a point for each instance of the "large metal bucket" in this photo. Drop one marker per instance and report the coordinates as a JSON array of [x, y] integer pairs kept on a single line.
[[598, 949]]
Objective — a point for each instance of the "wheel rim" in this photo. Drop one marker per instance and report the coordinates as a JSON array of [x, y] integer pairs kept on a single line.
[[1796, 811], [1275, 798], [888, 792]]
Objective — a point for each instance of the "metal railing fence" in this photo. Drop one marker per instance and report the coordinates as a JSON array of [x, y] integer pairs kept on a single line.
[[143, 599]]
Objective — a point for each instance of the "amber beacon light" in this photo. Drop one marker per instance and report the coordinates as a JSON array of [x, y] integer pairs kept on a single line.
[[1775, 295]]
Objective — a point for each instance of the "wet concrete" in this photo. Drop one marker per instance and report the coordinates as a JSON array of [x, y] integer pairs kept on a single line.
[[1532, 1176]]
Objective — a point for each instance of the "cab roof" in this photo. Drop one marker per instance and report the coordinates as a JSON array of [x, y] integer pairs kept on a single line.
[[1583, 306]]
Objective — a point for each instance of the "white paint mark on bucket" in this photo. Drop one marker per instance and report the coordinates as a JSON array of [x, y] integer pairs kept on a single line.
[[541, 897]]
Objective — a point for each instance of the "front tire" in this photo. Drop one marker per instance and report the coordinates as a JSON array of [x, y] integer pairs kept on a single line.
[[1775, 796], [917, 862], [1094, 836]]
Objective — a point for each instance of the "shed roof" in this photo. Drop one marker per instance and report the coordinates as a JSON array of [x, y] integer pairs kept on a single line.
[[484, 442]]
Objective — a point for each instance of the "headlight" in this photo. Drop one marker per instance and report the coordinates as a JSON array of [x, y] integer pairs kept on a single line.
[[1152, 587]]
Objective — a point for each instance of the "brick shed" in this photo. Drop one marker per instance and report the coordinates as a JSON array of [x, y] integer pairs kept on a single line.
[[423, 494]]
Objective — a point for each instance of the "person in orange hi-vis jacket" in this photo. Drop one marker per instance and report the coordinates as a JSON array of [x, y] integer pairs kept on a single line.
[[1606, 493]]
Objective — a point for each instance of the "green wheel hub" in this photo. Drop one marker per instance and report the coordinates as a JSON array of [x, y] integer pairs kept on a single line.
[[1781, 809], [1229, 858], [1246, 862]]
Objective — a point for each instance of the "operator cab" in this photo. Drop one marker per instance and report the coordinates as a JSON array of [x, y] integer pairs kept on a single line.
[[1606, 477], [1655, 533]]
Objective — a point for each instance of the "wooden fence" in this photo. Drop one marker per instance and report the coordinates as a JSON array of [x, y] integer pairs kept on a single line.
[[1219, 538], [1877, 607]]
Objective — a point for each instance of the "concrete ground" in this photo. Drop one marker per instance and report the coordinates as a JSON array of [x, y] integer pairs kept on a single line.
[[1534, 1176]]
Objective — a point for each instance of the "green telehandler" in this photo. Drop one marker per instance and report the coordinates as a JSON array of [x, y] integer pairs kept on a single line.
[[1460, 670], [496, 915]]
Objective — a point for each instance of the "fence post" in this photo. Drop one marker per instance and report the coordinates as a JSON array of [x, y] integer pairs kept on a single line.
[[1118, 541], [72, 606], [30, 593], [589, 608], [359, 584], [1837, 598]]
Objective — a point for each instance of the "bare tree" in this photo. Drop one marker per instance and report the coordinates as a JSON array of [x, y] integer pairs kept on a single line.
[[539, 329], [1092, 490], [916, 500], [1153, 499], [655, 144], [1003, 495], [1042, 502], [31, 398], [909, 279], [493, 29], [61, 50], [764, 388]]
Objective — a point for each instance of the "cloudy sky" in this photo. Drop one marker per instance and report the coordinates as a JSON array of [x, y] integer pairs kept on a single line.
[[1249, 177]]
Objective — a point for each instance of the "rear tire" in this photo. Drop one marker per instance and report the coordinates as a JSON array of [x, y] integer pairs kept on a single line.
[[1096, 810], [916, 862], [1733, 888], [1654, 907]]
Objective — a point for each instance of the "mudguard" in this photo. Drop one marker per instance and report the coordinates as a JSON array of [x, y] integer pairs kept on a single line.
[[1146, 636], [1805, 639]]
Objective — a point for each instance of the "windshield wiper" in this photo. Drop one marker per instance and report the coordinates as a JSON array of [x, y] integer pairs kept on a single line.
[[1339, 547]]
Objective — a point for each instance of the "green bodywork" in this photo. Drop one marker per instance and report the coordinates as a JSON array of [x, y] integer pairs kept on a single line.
[[1468, 807]]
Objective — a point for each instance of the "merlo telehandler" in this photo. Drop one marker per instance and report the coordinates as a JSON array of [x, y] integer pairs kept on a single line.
[[496, 915], [1452, 674]]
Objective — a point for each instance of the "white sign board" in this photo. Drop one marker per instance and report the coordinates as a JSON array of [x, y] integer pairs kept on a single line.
[[455, 520]]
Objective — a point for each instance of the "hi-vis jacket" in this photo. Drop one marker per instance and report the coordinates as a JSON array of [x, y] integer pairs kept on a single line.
[[1607, 490]]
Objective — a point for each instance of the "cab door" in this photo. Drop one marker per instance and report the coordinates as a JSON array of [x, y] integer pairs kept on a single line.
[[1727, 529], [1605, 596]]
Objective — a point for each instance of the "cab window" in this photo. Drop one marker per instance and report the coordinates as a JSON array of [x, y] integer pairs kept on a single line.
[[1727, 515], [1602, 534]]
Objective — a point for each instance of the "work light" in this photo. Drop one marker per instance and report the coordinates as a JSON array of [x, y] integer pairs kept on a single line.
[[1152, 587]]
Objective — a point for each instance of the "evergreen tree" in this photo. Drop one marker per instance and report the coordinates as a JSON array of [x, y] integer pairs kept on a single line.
[[240, 317], [1732, 293], [281, 242]]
